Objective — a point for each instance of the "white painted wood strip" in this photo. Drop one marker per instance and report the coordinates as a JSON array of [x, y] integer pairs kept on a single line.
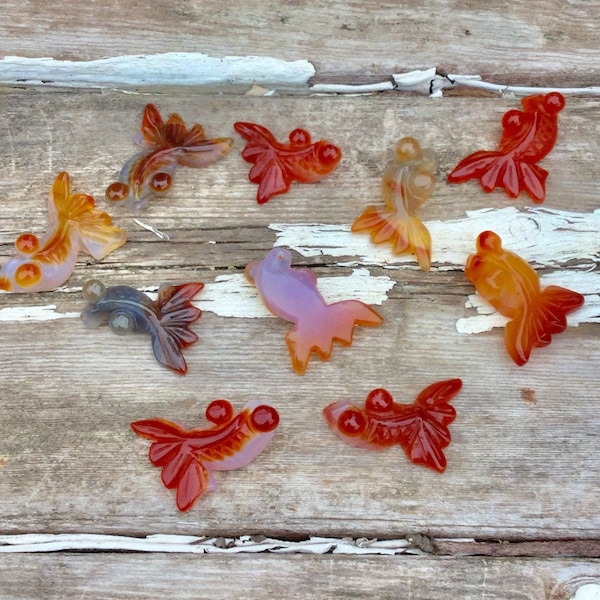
[[201, 545], [233, 296], [429, 82], [170, 68], [541, 236]]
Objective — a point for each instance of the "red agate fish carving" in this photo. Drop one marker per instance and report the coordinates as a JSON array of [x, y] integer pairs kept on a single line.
[[43, 264], [407, 183], [292, 294], [189, 457], [166, 145], [420, 428], [277, 164], [528, 136], [512, 287], [167, 319]]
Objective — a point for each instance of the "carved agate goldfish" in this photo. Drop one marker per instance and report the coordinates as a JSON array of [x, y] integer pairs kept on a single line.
[[407, 183], [512, 287], [167, 319], [277, 164], [166, 145], [528, 136], [292, 294], [44, 264], [420, 428], [189, 457]]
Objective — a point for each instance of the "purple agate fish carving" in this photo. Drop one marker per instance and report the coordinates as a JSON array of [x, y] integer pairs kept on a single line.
[[292, 294]]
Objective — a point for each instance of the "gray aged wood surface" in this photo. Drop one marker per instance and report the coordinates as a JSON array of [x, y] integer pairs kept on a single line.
[[540, 42], [523, 463], [146, 577]]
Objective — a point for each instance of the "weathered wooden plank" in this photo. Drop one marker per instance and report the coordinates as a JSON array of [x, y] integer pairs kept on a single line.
[[540, 42], [517, 468], [296, 577]]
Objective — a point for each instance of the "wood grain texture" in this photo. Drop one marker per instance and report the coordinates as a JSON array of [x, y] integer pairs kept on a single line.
[[516, 469], [122, 576], [531, 43]]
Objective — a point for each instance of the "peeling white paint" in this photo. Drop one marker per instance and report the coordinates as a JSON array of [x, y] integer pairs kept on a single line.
[[34, 313], [168, 69], [541, 236], [340, 88], [590, 591], [200, 545], [429, 82], [233, 296]]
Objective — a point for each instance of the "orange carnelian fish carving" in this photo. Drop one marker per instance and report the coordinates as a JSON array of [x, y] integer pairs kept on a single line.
[[165, 146], [528, 136], [44, 264], [292, 294], [512, 287], [189, 457], [407, 183], [167, 319], [420, 428], [277, 164]]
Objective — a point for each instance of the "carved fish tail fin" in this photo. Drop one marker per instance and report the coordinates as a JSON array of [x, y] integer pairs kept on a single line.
[[173, 332], [536, 326], [495, 169], [407, 235], [97, 235], [424, 430], [533, 180], [181, 469], [341, 317]]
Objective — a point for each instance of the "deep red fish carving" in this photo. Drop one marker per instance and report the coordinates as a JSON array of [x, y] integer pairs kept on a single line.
[[420, 428], [188, 457], [513, 288], [277, 164], [528, 136]]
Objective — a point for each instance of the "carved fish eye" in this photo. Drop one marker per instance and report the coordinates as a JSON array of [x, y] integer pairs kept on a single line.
[[27, 243], [328, 154], [407, 149], [352, 422], [219, 412], [264, 418], [121, 322], [93, 291], [28, 274], [299, 137], [117, 191], [379, 401], [161, 182], [554, 102], [490, 241]]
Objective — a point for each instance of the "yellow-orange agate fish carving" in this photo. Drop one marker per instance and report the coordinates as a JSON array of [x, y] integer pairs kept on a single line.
[[407, 183], [43, 264], [513, 288]]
